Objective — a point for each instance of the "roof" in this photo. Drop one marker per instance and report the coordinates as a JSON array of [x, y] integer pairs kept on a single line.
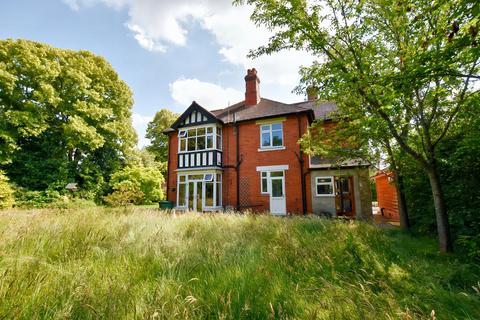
[[266, 108]]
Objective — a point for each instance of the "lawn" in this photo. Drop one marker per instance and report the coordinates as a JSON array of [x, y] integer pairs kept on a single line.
[[141, 263]]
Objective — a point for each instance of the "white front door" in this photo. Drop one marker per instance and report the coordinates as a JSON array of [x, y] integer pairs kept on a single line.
[[195, 196], [278, 203]]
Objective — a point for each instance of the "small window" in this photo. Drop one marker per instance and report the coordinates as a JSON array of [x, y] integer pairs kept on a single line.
[[182, 133], [324, 186], [264, 182], [271, 135], [208, 177]]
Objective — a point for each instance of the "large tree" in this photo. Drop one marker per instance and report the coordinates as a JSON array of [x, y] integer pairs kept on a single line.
[[64, 115], [407, 66], [159, 142]]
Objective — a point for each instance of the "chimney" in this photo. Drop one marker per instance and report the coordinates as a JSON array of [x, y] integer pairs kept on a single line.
[[252, 88], [312, 93]]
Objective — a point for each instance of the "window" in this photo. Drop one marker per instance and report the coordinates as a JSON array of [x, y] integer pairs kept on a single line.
[[271, 135], [208, 177], [264, 182], [199, 139], [182, 191], [324, 186]]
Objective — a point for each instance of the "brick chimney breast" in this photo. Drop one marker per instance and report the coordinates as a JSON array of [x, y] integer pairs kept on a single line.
[[252, 88]]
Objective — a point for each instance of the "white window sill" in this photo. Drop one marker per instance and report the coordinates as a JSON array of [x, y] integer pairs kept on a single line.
[[271, 149], [324, 195]]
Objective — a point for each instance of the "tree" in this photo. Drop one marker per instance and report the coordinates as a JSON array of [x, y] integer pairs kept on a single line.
[[64, 116], [407, 66], [6, 192], [159, 142]]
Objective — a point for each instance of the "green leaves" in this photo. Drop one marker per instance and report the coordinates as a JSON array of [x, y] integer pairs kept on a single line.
[[63, 108]]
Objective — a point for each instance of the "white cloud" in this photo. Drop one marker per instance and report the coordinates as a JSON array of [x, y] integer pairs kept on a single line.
[[156, 24], [141, 120], [208, 95]]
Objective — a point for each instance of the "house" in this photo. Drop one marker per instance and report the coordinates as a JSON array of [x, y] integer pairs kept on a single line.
[[247, 156], [387, 195]]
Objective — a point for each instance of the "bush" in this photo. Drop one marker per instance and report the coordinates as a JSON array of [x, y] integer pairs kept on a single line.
[[48, 199], [146, 182], [125, 193], [6, 192]]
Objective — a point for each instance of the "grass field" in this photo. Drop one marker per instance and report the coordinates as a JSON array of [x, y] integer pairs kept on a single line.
[[140, 263]]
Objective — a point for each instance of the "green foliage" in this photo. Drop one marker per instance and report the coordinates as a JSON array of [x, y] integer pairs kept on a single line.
[[159, 141], [131, 263], [49, 199], [6, 192], [64, 116], [138, 184]]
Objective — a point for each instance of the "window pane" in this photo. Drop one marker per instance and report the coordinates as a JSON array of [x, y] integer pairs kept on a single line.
[[201, 143], [277, 138], [324, 180], [276, 174], [209, 194], [209, 142], [200, 131], [266, 127], [181, 194], [181, 178], [209, 130], [219, 142], [277, 126], [208, 177], [183, 144], [324, 189], [264, 185], [191, 144], [195, 177], [266, 139], [219, 194], [182, 133], [192, 132], [264, 174], [277, 188], [219, 131]]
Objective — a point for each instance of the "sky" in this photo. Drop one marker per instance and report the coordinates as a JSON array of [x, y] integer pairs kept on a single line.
[[169, 52]]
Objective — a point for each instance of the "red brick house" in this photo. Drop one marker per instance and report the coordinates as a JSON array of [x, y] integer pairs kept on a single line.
[[247, 156]]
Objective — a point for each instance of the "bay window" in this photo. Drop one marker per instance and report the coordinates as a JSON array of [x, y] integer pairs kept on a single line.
[[196, 139]]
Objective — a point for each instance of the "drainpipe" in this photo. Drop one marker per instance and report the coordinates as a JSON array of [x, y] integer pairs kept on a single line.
[[302, 175], [237, 130]]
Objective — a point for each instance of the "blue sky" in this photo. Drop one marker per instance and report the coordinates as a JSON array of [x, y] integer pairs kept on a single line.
[[168, 52]]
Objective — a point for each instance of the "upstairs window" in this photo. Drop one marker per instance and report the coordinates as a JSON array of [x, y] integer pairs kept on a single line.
[[271, 135], [199, 139]]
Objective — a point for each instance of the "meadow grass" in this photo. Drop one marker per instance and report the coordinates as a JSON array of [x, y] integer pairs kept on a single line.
[[138, 263]]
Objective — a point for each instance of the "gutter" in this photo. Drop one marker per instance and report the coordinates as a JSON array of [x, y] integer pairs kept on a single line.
[[237, 131]]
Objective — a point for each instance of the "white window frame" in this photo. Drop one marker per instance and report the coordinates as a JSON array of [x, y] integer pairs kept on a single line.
[[215, 134], [269, 178], [332, 184], [267, 173], [271, 146], [215, 179]]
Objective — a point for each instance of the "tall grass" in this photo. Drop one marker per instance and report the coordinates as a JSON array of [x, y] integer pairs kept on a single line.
[[141, 263]]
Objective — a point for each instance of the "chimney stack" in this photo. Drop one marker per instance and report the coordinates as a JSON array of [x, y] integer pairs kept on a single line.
[[312, 93], [252, 88]]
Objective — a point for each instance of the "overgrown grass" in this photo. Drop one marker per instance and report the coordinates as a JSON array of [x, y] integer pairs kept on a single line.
[[140, 263]]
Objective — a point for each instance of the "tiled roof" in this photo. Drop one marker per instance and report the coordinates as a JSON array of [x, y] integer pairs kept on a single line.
[[264, 109]]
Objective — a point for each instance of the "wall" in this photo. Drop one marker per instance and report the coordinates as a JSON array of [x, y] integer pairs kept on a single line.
[[362, 193], [387, 196]]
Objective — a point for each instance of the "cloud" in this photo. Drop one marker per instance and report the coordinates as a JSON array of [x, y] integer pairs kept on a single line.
[[208, 95], [140, 120], [158, 24], [140, 123]]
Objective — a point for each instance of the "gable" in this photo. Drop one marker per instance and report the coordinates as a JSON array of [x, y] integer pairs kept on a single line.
[[195, 115]]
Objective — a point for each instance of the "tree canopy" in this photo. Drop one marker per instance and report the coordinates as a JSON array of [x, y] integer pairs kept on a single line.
[[405, 67], [159, 142], [64, 116]]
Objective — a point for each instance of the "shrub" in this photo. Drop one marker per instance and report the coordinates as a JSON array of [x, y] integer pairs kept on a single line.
[[134, 179], [6, 192], [125, 193]]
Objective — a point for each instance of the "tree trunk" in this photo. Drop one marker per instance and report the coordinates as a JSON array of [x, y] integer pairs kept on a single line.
[[402, 203], [443, 226]]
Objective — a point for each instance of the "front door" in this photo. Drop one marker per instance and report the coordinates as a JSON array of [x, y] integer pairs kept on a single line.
[[278, 205], [344, 200], [195, 196]]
